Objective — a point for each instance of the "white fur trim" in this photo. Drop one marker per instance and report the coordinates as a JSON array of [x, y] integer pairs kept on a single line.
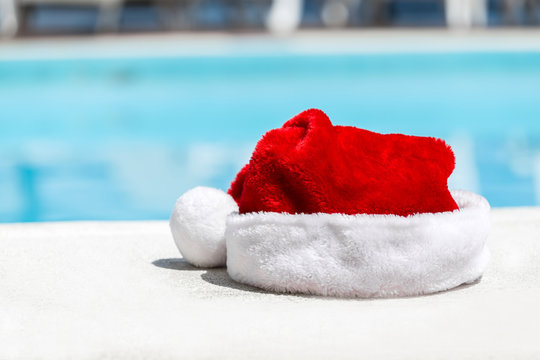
[[360, 255], [198, 225]]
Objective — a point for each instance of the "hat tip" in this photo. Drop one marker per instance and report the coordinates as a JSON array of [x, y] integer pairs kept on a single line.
[[198, 225]]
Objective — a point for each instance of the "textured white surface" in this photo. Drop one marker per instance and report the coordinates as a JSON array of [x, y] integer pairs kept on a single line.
[[360, 255], [119, 291]]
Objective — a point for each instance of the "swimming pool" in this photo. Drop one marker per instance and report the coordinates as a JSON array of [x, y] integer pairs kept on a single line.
[[122, 138]]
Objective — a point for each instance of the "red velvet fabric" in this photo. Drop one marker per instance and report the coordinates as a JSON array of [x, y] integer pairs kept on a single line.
[[310, 166]]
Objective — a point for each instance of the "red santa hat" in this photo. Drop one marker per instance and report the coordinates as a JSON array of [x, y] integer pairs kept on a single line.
[[339, 211]]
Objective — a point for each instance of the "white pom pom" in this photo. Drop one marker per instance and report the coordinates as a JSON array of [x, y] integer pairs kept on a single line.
[[198, 225]]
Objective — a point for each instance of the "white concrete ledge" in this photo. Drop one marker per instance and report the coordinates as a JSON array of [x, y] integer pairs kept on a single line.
[[119, 290]]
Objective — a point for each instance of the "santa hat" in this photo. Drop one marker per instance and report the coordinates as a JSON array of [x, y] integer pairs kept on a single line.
[[339, 211]]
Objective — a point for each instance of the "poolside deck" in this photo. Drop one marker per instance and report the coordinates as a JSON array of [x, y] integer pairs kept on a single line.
[[120, 290], [302, 42]]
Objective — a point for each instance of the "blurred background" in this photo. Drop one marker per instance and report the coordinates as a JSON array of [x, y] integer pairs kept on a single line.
[[38, 17], [111, 109]]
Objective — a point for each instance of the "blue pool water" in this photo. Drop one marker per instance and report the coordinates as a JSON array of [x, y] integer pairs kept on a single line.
[[123, 138]]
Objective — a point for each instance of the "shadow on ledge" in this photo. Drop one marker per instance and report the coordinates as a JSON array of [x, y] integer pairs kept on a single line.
[[214, 276], [219, 277], [175, 264]]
